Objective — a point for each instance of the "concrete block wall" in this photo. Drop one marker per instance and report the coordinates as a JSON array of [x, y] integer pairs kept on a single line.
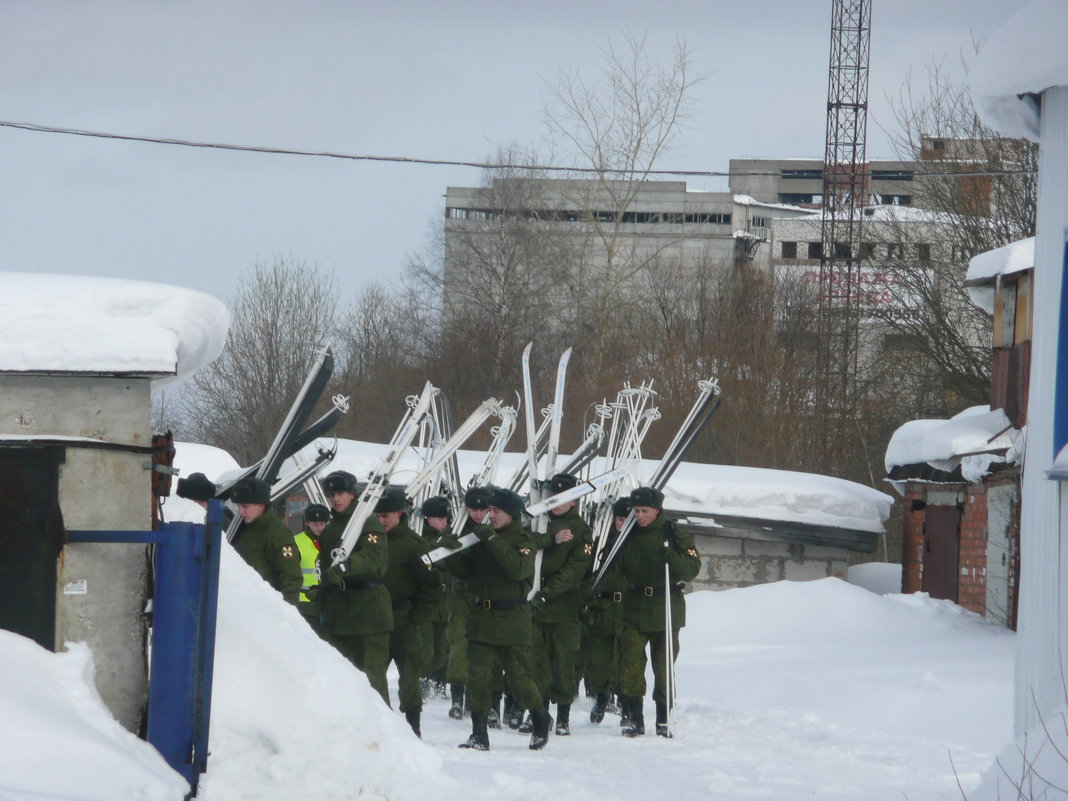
[[101, 588], [738, 561]]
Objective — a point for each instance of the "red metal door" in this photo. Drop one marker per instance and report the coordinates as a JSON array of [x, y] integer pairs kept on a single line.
[[941, 551]]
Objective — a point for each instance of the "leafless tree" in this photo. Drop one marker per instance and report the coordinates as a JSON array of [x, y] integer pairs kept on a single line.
[[282, 313]]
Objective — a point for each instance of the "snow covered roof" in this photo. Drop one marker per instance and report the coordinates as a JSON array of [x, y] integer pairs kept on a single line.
[[1005, 260], [1025, 55], [106, 326], [971, 440], [985, 269], [749, 200], [699, 489]]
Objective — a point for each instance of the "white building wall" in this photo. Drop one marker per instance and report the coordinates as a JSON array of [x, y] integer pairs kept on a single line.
[[1043, 618]]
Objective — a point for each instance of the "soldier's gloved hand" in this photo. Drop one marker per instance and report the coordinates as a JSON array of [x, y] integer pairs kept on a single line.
[[538, 601], [483, 533], [335, 574], [450, 541]]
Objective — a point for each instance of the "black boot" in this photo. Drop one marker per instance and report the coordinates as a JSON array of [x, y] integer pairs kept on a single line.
[[599, 705], [479, 739], [625, 718], [541, 721], [524, 726], [412, 716], [637, 718], [563, 723], [456, 711], [494, 718], [662, 729]]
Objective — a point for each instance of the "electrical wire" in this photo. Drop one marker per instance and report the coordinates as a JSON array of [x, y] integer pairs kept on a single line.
[[283, 151]]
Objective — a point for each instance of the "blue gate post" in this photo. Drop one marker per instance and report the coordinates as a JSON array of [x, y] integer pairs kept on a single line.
[[184, 608]]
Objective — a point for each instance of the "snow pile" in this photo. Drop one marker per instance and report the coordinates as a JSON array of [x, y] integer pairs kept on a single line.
[[292, 718], [1034, 767], [59, 741], [189, 458], [1025, 55], [704, 489], [970, 439], [882, 578], [107, 325], [986, 268]]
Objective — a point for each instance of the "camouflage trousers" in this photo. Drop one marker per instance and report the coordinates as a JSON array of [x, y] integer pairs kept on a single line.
[[554, 655], [632, 662], [410, 652], [485, 663], [370, 654], [602, 662], [456, 633]]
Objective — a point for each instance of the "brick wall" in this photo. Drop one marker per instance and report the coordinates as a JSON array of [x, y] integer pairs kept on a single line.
[[912, 537], [971, 592]]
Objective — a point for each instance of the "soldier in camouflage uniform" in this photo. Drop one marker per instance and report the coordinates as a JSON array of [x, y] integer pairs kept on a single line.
[[653, 542], [355, 605], [498, 571], [604, 626], [263, 540], [415, 589], [436, 517], [568, 552]]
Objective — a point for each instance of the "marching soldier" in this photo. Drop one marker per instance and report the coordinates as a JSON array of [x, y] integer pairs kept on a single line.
[[436, 518], [415, 589], [356, 608], [653, 542], [316, 516], [263, 540], [498, 571], [568, 546], [604, 625]]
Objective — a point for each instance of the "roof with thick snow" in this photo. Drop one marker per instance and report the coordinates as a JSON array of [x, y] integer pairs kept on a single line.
[[1025, 56], [106, 326], [971, 441], [695, 489], [985, 269]]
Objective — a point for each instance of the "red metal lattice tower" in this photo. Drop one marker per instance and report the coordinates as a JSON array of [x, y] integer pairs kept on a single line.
[[845, 193]]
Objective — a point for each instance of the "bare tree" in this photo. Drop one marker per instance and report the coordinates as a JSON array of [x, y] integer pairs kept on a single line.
[[281, 314]]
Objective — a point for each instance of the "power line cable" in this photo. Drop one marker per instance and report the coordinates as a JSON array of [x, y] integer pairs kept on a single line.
[[283, 151]]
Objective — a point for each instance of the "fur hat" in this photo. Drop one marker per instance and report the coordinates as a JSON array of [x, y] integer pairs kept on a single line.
[[251, 490], [507, 501], [196, 488], [475, 498], [621, 508], [438, 506], [316, 513], [392, 500], [561, 482], [647, 496], [339, 481]]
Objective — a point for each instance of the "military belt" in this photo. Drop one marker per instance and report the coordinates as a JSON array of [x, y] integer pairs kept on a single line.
[[351, 584], [649, 592], [502, 606], [614, 597]]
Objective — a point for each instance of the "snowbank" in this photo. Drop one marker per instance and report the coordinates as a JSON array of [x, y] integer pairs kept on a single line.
[[292, 718], [1034, 767], [778, 495], [968, 439], [106, 325], [1025, 55], [882, 578], [59, 741]]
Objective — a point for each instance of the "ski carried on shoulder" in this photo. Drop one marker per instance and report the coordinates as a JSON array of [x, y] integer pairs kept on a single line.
[[703, 409]]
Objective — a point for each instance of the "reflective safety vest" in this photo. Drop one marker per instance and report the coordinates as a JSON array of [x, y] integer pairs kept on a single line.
[[309, 554]]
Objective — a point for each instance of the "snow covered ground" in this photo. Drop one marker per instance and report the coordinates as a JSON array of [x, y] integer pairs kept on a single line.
[[787, 691]]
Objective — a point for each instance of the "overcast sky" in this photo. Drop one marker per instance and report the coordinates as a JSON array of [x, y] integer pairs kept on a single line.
[[425, 79]]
